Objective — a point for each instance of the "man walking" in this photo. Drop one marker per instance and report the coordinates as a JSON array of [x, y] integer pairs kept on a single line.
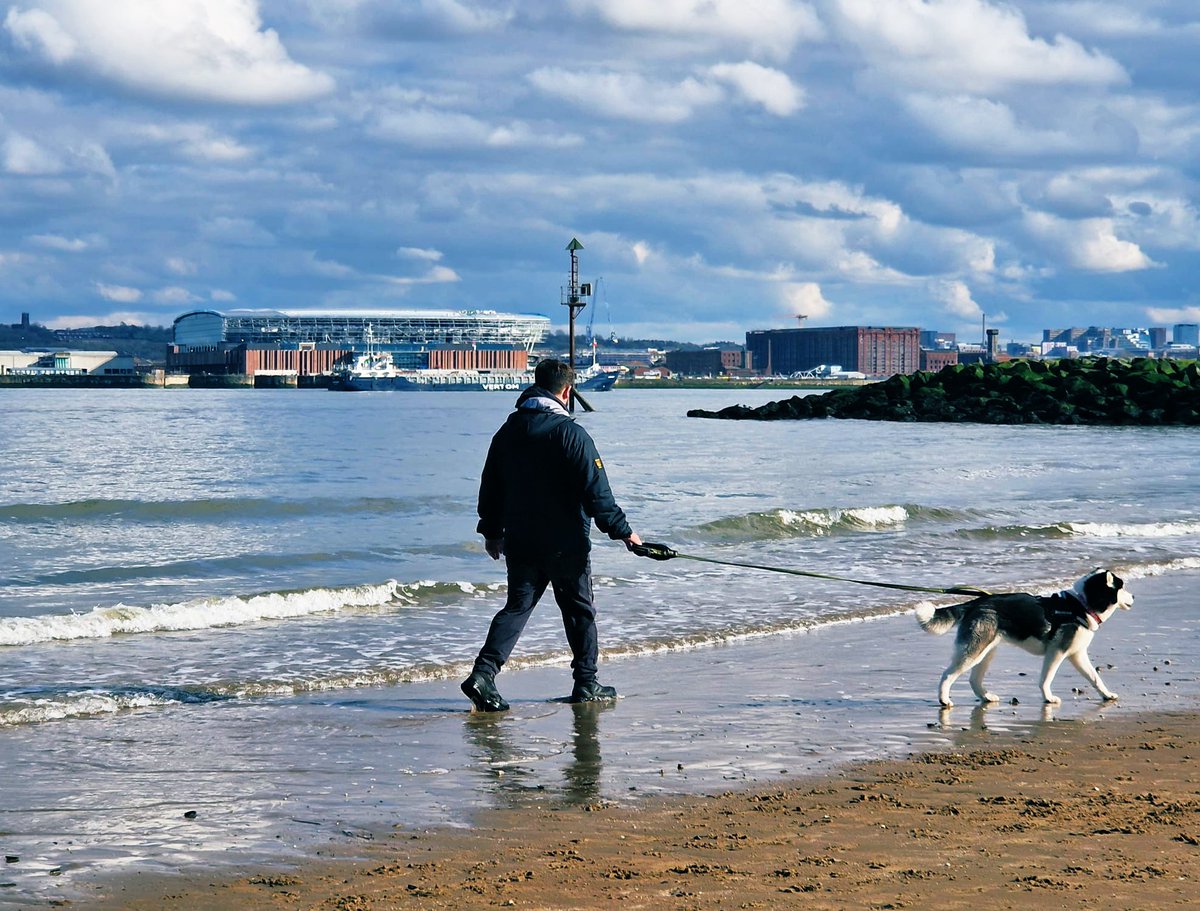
[[543, 483]]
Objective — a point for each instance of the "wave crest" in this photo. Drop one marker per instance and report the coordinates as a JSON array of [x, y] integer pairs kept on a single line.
[[807, 523], [233, 610]]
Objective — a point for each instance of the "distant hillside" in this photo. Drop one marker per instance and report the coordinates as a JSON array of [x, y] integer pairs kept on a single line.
[[148, 342], [559, 341]]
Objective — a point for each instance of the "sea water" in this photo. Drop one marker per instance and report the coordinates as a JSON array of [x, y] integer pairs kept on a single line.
[[232, 623]]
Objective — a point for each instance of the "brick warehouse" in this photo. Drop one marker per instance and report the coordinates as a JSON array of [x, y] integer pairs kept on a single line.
[[873, 350]]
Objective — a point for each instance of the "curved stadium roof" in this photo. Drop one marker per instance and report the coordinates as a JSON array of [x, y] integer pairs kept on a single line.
[[349, 328]]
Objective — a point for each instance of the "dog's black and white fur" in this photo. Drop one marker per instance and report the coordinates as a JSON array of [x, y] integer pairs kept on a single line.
[[1058, 627]]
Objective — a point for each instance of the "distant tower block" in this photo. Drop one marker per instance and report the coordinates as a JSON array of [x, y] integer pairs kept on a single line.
[[993, 345]]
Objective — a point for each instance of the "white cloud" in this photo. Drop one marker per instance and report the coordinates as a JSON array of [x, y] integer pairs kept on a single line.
[[36, 30], [58, 242], [628, 96], [23, 155], [180, 266], [805, 299], [772, 27], [956, 298], [174, 295], [119, 293], [860, 266], [433, 128], [464, 17], [437, 275], [1172, 315], [1089, 243], [205, 50], [834, 198], [762, 85], [195, 140], [14, 259], [968, 122], [221, 296], [419, 253], [968, 45]]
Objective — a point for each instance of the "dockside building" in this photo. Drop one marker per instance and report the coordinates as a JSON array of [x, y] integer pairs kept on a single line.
[[875, 351]]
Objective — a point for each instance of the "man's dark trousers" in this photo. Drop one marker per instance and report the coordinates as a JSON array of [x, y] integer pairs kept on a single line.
[[570, 577]]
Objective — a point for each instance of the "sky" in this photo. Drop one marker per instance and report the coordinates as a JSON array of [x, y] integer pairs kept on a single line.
[[727, 165]]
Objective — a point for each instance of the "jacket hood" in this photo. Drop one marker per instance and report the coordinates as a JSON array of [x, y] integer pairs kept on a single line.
[[535, 398]]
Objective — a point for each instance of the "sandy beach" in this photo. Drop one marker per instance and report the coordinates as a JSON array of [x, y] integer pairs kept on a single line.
[[1102, 814], [679, 797]]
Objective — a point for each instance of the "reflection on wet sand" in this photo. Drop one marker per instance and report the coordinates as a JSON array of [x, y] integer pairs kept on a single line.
[[515, 769]]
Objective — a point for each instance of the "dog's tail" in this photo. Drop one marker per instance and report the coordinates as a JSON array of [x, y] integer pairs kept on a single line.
[[938, 620]]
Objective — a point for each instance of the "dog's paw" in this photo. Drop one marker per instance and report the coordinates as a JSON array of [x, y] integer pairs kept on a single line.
[[946, 703], [1110, 697], [989, 697], [1053, 700]]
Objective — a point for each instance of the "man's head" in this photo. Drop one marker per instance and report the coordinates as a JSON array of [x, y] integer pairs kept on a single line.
[[554, 376]]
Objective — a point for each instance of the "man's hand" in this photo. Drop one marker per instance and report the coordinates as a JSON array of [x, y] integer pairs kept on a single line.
[[632, 540], [494, 547]]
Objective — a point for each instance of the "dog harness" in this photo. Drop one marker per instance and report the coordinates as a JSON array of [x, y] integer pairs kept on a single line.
[[1079, 613]]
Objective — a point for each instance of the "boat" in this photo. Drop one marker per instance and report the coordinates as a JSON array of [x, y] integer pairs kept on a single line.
[[595, 379], [376, 371]]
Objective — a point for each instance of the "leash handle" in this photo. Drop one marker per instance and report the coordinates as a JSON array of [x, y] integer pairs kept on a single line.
[[653, 551]]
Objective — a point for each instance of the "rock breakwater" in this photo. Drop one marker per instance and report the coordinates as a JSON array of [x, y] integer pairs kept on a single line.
[[1142, 391]]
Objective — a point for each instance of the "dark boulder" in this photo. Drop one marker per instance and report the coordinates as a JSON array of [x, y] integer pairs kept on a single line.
[[1141, 391]]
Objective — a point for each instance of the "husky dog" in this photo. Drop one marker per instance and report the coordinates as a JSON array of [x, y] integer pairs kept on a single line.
[[1055, 626]]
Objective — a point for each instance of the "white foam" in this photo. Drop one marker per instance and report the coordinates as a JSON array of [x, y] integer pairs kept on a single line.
[[208, 613], [78, 705], [1138, 530], [864, 516]]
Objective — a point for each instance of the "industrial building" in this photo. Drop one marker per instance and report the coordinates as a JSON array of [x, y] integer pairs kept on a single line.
[[874, 351], [309, 342], [712, 361], [67, 363]]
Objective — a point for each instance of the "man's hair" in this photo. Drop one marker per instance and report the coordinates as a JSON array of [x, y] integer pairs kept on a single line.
[[553, 375]]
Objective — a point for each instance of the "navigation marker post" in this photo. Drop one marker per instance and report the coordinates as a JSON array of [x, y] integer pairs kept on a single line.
[[575, 305]]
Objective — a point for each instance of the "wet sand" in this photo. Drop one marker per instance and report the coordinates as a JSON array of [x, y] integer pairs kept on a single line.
[[1102, 814]]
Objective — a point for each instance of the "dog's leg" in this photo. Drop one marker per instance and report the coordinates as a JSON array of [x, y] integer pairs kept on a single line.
[[966, 656], [978, 672], [949, 675], [1084, 665], [1054, 658]]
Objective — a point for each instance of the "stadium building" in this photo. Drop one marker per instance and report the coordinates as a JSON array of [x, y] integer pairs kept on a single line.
[[308, 343]]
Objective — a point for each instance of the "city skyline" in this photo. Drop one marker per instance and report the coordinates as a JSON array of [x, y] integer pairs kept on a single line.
[[727, 166]]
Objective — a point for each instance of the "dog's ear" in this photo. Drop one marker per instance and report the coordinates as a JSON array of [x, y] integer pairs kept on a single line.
[[1111, 581]]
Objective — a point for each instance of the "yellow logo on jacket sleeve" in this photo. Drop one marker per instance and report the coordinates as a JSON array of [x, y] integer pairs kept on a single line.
[[599, 465]]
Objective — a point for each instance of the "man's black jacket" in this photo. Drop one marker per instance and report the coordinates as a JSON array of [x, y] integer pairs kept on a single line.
[[543, 483]]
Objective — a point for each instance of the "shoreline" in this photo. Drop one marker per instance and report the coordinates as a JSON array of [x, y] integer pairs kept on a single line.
[[1105, 811]]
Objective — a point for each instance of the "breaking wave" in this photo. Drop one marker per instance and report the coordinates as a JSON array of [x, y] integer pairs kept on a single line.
[[806, 523], [233, 610], [1085, 530]]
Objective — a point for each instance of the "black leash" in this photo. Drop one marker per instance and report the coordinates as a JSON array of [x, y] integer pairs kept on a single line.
[[664, 552]]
